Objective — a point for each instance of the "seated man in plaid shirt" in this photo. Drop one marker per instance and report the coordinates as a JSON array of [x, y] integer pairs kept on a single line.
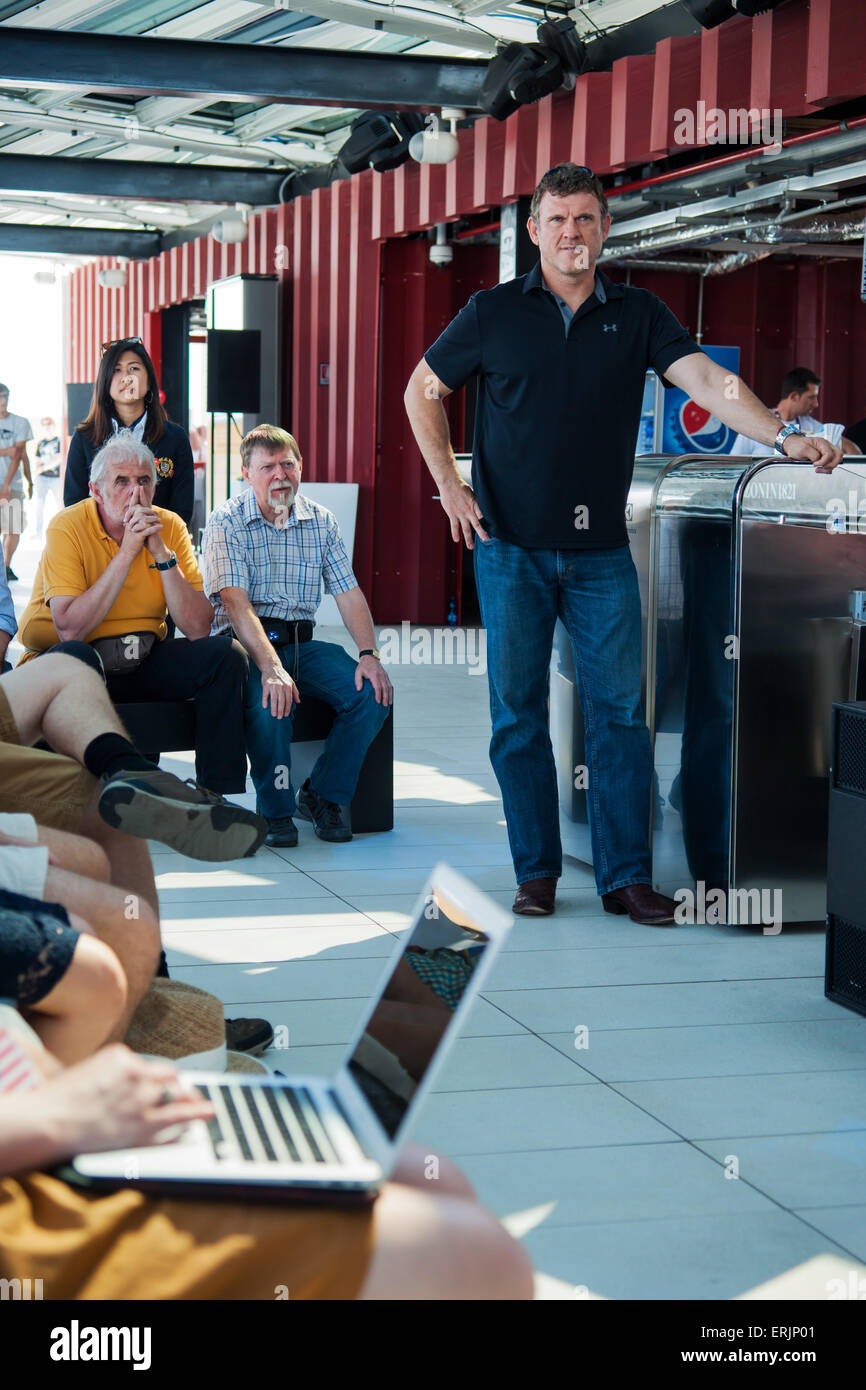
[[266, 556]]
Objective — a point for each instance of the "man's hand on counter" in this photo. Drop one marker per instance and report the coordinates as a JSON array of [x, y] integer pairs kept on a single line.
[[811, 448]]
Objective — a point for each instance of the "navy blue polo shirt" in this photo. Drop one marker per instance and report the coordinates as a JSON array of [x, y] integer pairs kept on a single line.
[[559, 402]]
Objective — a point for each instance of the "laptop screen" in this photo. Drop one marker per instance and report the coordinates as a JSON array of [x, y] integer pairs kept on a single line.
[[409, 1019]]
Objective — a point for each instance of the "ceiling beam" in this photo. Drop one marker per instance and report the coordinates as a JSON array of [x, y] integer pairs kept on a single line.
[[144, 180], [79, 241], [236, 72]]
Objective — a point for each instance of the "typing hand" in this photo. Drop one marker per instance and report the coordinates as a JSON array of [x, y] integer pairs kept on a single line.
[[116, 1100]]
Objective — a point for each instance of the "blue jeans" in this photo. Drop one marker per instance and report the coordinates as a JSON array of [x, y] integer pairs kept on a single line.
[[327, 672], [595, 594]]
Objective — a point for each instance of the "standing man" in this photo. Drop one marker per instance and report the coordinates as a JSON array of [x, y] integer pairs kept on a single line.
[[47, 482], [14, 434], [799, 398], [266, 556], [561, 356]]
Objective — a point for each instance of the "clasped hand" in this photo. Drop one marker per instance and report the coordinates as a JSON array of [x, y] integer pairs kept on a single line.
[[142, 527]]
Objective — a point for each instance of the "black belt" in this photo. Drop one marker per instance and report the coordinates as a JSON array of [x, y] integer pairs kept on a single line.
[[281, 633]]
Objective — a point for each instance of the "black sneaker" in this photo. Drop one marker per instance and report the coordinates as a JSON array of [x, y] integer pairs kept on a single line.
[[250, 1035], [159, 806], [329, 820], [282, 833], [11, 575]]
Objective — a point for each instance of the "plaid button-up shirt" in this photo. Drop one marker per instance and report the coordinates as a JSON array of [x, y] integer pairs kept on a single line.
[[284, 572]]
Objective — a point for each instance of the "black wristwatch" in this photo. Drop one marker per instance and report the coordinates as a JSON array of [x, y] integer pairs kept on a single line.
[[163, 565], [370, 651]]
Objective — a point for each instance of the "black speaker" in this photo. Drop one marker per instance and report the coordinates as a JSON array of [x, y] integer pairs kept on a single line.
[[845, 972], [79, 394], [234, 378]]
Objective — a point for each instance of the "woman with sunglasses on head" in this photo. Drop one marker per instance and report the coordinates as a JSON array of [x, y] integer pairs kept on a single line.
[[126, 396]]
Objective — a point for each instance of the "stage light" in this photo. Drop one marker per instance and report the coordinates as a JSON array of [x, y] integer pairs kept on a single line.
[[519, 74], [230, 229], [435, 144], [710, 13], [441, 252], [379, 140], [560, 37], [113, 279]]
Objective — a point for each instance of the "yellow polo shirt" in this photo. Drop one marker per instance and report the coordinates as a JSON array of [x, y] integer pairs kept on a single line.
[[78, 549]]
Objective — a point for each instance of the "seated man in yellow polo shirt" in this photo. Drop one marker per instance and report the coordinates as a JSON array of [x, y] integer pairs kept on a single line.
[[113, 568]]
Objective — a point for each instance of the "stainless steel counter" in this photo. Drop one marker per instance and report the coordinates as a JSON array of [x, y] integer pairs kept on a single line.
[[746, 569]]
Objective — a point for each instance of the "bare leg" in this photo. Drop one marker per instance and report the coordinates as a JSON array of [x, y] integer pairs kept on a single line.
[[442, 1248], [121, 920], [60, 699], [76, 1017], [10, 545], [75, 853], [420, 1167]]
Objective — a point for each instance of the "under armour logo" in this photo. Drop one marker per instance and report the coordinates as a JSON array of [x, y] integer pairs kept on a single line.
[[610, 327]]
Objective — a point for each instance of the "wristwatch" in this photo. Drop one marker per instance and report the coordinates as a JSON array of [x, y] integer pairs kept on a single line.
[[370, 651], [783, 435], [168, 564]]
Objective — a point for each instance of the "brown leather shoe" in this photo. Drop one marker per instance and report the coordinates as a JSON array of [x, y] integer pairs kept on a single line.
[[643, 905], [535, 898]]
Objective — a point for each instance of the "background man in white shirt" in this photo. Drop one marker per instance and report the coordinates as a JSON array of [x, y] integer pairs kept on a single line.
[[799, 399]]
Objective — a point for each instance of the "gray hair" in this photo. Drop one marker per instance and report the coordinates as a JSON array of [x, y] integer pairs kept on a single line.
[[120, 448]]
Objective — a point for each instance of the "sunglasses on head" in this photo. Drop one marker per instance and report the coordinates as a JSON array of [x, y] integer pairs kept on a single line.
[[115, 342]]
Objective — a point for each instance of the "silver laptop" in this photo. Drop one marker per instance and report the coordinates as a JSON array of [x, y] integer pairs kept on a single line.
[[313, 1138]]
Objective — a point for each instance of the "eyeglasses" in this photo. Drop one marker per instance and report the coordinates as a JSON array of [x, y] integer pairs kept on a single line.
[[115, 342]]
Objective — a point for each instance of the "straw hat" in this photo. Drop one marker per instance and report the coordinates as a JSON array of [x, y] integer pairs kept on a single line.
[[241, 1061], [182, 1023]]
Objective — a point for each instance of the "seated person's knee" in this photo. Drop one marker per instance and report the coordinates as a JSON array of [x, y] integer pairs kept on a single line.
[[92, 861], [106, 976]]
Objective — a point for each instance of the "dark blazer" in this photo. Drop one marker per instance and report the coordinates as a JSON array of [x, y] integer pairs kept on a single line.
[[172, 451]]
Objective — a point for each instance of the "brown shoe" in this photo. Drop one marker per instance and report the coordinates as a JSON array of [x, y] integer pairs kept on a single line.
[[535, 898], [642, 904]]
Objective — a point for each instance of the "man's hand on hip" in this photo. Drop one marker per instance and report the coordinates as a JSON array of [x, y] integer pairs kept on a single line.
[[369, 669], [279, 691], [463, 512], [811, 448]]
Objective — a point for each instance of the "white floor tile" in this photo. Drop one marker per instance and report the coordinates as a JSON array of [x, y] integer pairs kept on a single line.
[[473, 1122], [800, 1170], [276, 944], [689, 1004], [685, 1258], [627, 1182], [721, 1049], [791, 1103]]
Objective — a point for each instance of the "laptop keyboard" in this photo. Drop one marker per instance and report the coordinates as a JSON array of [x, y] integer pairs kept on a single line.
[[267, 1124]]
